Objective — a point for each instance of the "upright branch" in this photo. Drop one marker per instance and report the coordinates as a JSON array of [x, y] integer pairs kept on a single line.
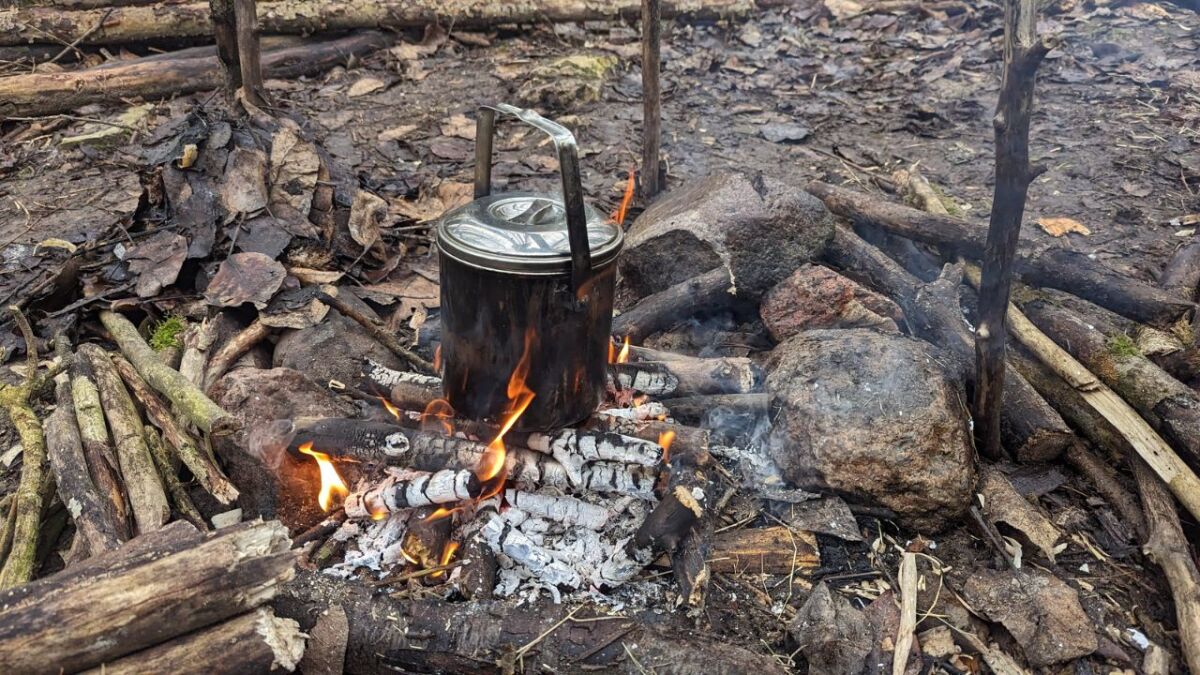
[[1023, 51], [651, 96], [249, 62], [224, 26]]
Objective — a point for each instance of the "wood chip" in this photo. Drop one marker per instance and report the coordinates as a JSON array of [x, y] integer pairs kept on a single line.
[[1059, 227]]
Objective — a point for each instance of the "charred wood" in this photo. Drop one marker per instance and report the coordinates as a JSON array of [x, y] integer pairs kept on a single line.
[[81, 617], [710, 291], [1072, 272], [256, 642], [700, 376], [410, 488], [677, 437], [474, 637], [249, 54], [426, 536], [1181, 275], [50, 93], [695, 409], [651, 96]]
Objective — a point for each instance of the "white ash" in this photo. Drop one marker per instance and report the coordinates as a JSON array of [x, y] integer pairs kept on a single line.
[[642, 379], [405, 488], [574, 447], [374, 546], [388, 377], [559, 508], [643, 412]]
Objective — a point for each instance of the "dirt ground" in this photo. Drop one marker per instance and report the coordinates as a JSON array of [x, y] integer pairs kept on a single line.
[[796, 91]]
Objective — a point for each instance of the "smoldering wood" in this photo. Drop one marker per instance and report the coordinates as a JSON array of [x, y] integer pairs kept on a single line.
[[93, 515], [147, 499], [255, 642], [203, 468], [1023, 52], [1072, 272], [426, 536], [388, 377], [1169, 405], [176, 20], [174, 487], [411, 488], [560, 509], [150, 77], [695, 409], [502, 537], [640, 412], [472, 637], [81, 618], [1030, 428], [651, 96], [191, 402], [683, 438], [329, 295], [711, 291], [652, 379], [682, 505]]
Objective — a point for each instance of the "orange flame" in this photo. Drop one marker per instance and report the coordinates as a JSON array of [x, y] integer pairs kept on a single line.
[[437, 358], [447, 555], [619, 214], [332, 485], [519, 397], [438, 413], [378, 513], [665, 439], [441, 512], [387, 405], [623, 357]]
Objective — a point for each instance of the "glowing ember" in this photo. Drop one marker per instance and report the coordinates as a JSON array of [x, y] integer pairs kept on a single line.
[[379, 513], [437, 416], [332, 485], [519, 398], [665, 439], [619, 214], [437, 358]]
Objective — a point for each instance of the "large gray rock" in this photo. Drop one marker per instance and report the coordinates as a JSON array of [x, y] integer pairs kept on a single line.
[[758, 227], [875, 418]]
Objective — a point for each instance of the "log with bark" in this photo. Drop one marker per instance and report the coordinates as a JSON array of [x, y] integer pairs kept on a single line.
[[1055, 268], [131, 23], [155, 588], [711, 291], [152, 77], [694, 376], [1030, 427], [387, 636], [255, 642], [97, 450]]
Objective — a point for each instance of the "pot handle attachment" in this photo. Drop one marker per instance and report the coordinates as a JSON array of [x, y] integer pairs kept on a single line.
[[568, 163]]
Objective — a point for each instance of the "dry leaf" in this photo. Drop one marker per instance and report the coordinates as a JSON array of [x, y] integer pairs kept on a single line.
[[1058, 227], [367, 211], [397, 133], [454, 195], [245, 277], [157, 261], [309, 276], [842, 9], [365, 86], [244, 185], [1002, 504], [459, 126], [294, 167]]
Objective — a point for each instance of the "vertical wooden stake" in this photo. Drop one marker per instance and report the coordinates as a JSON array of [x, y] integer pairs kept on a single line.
[[1023, 51], [651, 96], [225, 32], [249, 60]]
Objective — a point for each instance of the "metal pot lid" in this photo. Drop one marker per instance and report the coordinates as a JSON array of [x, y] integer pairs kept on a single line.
[[522, 232]]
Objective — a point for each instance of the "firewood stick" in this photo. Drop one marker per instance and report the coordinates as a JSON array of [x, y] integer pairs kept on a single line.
[[1167, 546], [410, 488], [1167, 465], [908, 612], [681, 437], [683, 504], [917, 190], [1023, 52], [695, 409], [191, 19], [329, 295], [79, 619], [179, 496], [93, 431], [249, 59], [652, 379], [387, 377], [652, 410], [711, 291], [9, 509], [197, 339], [147, 499], [28, 502], [1070, 271], [700, 376], [229, 352], [206, 472], [759, 550], [1104, 478], [257, 641], [1032, 430], [94, 518], [187, 397], [651, 96], [1170, 406]]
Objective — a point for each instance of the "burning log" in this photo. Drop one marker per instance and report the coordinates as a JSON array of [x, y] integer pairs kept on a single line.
[[388, 636], [641, 412], [93, 515], [203, 468], [408, 488], [1072, 272], [695, 409], [652, 379], [428, 536], [711, 291], [98, 452], [185, 396], [129, 599], [564, 510], [681, 437], [256, 642], [147, 500], [665, 373]]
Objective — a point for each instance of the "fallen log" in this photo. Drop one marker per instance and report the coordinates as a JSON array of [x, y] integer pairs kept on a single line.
[[1030, 428], [1169, 405], [1181, 274], [155, 588], [387, 636], [178, 20], [1056, 268], [92, 514], [150, 78], [711, 291], [256, 642]]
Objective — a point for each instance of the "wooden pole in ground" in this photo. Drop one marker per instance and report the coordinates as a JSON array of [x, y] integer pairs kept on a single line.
[[1023, 51], [249, 59], [224, 26], [651, 96]]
